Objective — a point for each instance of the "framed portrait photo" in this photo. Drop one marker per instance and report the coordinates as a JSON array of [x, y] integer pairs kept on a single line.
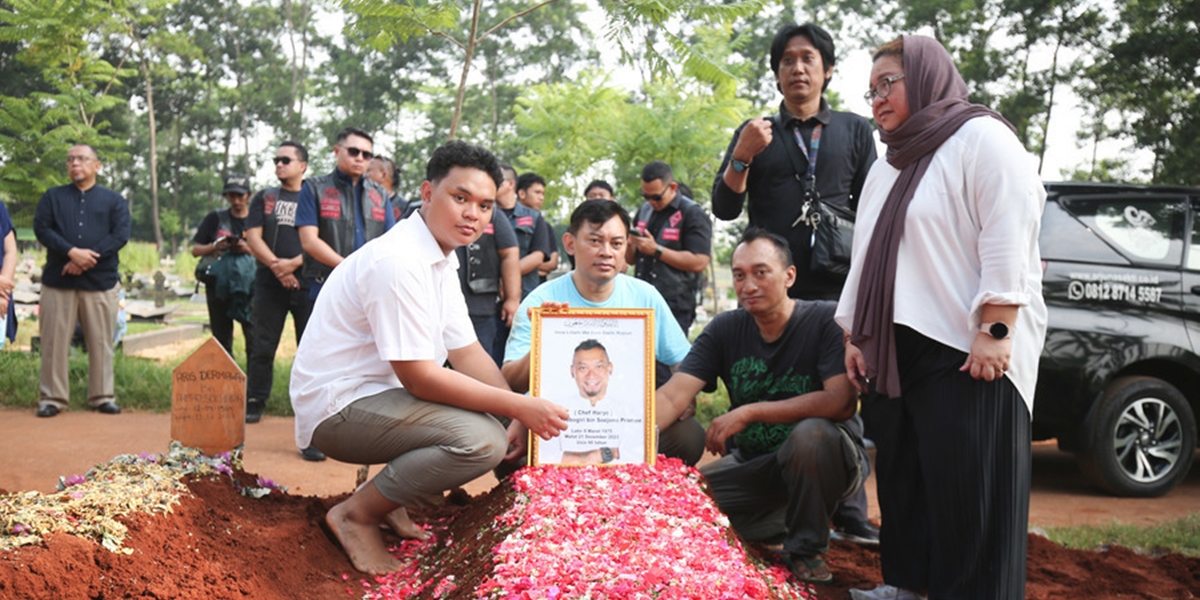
[[599, 365]]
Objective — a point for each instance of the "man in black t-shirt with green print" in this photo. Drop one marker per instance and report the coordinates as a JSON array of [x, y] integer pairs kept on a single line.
[[791, 447]]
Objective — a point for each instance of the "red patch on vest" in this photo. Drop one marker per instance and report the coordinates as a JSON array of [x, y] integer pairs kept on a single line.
[[331, 204], [641, 227], [675, 219], [670, 234], [376, 199], [524, 221], [378, 214], [489, 230], [269, 204]]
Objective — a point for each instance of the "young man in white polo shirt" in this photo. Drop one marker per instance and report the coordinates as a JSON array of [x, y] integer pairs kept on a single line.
[[368, 384]]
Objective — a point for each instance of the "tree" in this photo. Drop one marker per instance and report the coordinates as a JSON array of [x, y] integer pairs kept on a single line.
[[59, 40], [385, 22], [1148, 77]]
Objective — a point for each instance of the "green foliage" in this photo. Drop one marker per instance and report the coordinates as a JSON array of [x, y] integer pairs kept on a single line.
[[711, 406], [1181, 536], [670, 122], [1148, 78]]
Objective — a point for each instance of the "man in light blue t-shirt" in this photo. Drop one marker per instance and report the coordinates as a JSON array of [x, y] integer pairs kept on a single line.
[[596, 237]]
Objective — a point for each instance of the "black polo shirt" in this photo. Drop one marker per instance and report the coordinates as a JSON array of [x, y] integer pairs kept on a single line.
[[96, 219]]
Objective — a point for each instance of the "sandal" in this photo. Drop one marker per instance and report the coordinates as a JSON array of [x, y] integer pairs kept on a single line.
[[812, 569]]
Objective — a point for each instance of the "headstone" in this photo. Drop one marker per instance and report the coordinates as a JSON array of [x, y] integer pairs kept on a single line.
[[160, 294], [208, 400]]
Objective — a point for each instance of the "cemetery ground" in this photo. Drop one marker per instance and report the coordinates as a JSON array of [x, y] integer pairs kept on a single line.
[[217, 543]]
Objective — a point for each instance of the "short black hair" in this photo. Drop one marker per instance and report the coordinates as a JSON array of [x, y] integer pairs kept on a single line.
[[346, 132], [90, 147], [590, 344], [300, 149], [526, 180], [821, 40], [782, 248], [389, 165], [457, 153], [597, 211], [598, 183], [508, 171], [658, 170]]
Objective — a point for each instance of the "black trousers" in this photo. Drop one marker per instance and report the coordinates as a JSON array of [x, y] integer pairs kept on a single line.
[[270, 307], [221, 323], [952, 474]]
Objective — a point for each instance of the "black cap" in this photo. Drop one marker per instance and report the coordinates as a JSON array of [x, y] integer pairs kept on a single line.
[[236, 182]]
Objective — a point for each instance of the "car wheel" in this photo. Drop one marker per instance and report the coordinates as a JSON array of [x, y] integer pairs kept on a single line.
[[1142, 438]]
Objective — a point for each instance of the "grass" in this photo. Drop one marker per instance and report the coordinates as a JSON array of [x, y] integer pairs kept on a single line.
[[140, 383], [1181, 536]]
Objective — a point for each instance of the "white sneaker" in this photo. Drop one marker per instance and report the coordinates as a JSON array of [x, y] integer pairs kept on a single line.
[[885, 592]]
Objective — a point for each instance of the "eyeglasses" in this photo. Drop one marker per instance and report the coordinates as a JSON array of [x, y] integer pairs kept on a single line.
[[354, 152], [881, 89], [283, 160], [78, 159]]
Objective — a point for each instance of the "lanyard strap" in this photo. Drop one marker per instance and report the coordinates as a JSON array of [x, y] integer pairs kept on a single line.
[[811, 151]]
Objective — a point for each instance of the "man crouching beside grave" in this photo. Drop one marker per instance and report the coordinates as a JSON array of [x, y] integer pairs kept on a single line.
[[368, 384], [791, 450]]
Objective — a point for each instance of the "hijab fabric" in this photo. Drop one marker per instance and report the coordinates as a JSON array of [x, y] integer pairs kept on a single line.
[[937, 100]]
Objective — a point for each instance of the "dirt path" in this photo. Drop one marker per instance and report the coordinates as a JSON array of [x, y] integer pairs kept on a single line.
[[35, 452]]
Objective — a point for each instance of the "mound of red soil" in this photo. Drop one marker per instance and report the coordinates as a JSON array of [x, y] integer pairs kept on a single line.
[[219, 544]]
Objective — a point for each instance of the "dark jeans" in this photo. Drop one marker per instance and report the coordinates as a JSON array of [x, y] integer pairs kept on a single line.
[[270, 308], [222, 324]]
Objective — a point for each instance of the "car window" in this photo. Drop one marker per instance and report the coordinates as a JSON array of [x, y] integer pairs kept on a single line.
[[1193, 251], [1147, 230]]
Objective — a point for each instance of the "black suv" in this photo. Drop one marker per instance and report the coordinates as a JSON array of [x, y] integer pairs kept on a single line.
[[1119, 381]]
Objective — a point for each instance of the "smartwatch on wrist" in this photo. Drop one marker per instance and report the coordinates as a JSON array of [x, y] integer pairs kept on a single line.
[[738, 166], [998, 330], [606, 455], [658, 250]]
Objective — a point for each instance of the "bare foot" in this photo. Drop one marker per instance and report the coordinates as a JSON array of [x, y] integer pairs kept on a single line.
[[404, 527], [362, 542]]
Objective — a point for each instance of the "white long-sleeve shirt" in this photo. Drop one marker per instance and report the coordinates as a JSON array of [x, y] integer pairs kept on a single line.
[[970, 238]]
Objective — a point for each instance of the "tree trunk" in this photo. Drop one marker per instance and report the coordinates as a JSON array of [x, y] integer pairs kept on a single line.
[[472, 41]]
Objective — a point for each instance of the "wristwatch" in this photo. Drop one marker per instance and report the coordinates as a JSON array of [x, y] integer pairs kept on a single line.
[[998, 330], [658, 250], [606, 455], [738, 166]]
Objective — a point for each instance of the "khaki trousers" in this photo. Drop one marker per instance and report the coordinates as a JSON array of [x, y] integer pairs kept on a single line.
[[428, 448], [59, 310]]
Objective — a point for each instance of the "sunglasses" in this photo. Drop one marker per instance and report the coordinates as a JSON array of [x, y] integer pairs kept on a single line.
[[283, 160], [653, 197], [354, 152]]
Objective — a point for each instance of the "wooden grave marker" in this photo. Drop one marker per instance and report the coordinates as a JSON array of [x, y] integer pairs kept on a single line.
[[208, 400]]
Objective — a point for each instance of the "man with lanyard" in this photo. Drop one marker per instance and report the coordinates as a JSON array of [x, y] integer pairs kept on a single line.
[[279, 285], [670, 242], [775, 164], [337, 213]]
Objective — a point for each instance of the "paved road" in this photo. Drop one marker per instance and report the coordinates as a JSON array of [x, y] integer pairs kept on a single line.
[[35, 452]]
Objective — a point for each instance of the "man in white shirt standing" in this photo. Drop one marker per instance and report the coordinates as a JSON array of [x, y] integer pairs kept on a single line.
[[368, 384]]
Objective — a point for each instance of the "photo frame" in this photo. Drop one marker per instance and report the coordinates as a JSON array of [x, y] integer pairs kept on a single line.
[[599, 365]]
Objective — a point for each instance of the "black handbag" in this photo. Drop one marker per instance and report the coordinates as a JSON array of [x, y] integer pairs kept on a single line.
[[832, 237], [832, 225]]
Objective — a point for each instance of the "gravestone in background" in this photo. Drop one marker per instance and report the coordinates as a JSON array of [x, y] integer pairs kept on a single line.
[[208, 400]]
